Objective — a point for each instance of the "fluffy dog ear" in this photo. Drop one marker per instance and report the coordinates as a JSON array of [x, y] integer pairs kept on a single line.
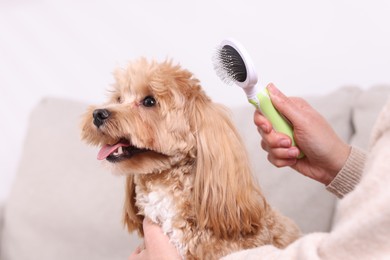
[[227, 199], [131, 219]]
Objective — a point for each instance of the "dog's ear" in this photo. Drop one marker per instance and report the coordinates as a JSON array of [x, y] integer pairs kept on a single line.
[[131, 219], [227, 199]]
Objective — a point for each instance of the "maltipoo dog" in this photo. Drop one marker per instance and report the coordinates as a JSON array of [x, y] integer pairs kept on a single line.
[[186, 167]]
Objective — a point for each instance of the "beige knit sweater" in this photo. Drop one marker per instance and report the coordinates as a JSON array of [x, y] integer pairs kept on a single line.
[[362, 228]]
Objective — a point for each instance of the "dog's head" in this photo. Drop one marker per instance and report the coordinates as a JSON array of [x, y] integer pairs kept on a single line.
[[158, 117], [145, 126]]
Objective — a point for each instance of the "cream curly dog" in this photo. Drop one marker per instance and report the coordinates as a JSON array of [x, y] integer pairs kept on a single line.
[[186, 167]]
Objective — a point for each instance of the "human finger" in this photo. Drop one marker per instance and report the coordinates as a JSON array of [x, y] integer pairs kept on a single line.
[[278, 162], [137, 254], [262, 123], [284, 153], [286, 106], [157, 243], [276, 140], [152, 232]]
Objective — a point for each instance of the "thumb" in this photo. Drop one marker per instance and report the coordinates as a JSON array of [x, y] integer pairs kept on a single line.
[[153, 233], [283, 104]]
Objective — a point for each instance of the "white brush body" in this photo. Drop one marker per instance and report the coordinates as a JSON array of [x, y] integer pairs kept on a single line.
[[249, 85]]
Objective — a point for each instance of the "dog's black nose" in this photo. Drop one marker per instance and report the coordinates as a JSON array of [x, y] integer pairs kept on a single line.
[[99, 116]]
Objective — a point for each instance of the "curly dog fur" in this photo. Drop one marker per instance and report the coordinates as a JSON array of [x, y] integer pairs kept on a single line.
[[186, 167]]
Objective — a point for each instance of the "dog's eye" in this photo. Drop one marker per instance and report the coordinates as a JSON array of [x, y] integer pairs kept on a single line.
[[149, 101], [119, 99]]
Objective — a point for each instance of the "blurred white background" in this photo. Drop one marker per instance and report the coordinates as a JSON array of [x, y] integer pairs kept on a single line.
[[69, 48]]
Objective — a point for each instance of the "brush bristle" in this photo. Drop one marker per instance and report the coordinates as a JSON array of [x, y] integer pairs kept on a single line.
[[229, 65]]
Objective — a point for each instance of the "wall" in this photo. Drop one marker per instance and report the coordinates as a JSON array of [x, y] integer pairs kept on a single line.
[[69, 49]]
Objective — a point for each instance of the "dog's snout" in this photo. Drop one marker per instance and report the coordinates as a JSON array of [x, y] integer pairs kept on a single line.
[[99, 116]]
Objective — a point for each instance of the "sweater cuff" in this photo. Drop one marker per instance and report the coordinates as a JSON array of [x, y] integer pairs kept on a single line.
[[349, 176]]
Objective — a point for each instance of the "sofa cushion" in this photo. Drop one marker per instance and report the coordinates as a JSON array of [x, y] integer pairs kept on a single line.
[[63, 204], [365, 112]]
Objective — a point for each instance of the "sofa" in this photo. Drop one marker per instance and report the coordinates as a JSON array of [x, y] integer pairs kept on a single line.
[[65, 205]]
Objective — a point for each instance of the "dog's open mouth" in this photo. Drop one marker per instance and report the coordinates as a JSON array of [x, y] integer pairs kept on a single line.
[[119, 151]]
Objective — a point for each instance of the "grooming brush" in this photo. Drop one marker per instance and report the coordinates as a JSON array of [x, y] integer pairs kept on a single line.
[[233, 65]]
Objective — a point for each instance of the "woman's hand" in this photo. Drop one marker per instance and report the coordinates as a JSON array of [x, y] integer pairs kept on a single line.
[[157, 245], [325, 153]]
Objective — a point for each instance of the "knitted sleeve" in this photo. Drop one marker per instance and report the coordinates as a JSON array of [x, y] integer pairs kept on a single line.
[[349, 176]]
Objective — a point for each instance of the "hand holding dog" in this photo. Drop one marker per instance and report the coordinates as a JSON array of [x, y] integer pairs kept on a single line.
[[157, 245], [325, 153]]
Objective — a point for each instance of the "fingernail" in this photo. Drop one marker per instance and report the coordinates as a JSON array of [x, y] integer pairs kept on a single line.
[[274, 93], [285, 143], [272, 89], [293, 152], [264, 127]]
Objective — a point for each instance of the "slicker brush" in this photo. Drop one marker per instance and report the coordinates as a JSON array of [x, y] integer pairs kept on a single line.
[[234, 66]]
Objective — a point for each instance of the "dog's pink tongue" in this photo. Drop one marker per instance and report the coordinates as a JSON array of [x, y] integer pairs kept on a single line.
[[106, 150]]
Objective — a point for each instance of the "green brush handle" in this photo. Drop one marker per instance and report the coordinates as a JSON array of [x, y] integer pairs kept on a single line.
[[280, 124]]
